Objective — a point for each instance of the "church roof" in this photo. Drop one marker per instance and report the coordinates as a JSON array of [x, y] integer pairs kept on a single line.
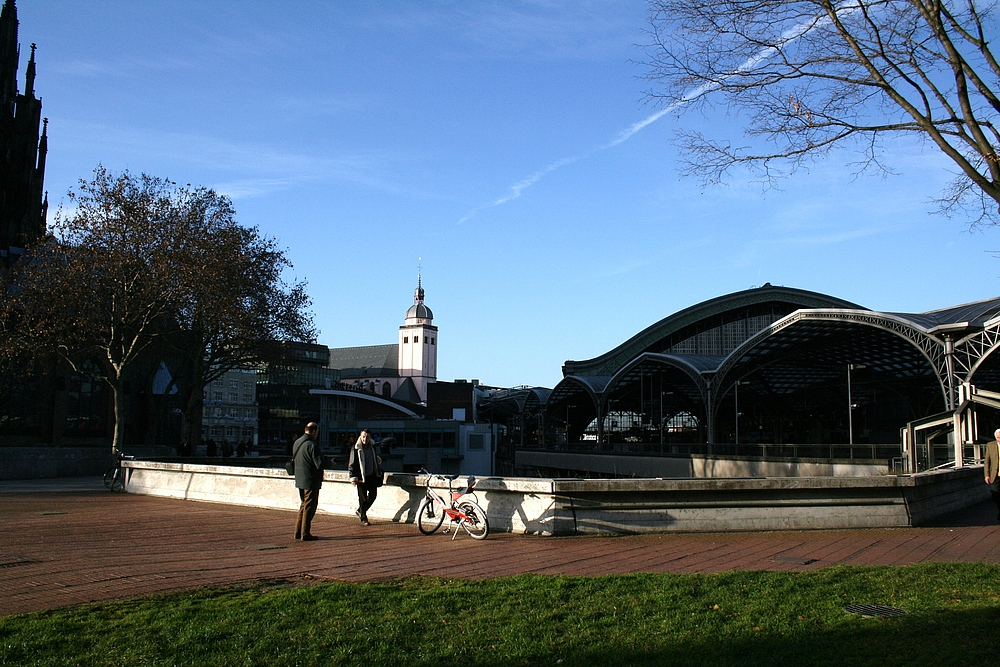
[[365, 361], [419, 310], [407, 392]]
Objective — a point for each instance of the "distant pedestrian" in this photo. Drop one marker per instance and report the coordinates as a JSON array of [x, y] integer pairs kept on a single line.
[[210, 447], [308, 460], [365, 471], [991, 469], [227, 448], [241, 449]]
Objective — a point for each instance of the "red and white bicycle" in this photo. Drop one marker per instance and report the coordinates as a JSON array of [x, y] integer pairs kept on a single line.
[[461, 508]]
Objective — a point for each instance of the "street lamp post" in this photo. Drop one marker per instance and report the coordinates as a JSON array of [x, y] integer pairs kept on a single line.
[[850, 404], [736, 394]]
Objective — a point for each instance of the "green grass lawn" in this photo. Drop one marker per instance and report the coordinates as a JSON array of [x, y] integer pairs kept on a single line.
[[736, 618]]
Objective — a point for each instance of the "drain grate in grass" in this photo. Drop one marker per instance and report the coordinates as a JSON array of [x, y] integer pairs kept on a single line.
[[794, 560], [873, 610]]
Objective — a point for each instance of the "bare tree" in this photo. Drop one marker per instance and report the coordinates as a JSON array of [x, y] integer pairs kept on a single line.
[[239, 304], [141, 265], [808, 75]]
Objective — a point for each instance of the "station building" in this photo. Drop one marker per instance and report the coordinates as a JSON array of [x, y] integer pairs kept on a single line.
[[770, 371]]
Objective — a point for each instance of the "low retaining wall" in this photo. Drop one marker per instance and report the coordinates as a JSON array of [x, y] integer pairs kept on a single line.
[[694, 465], [572, 506], [44, 462]]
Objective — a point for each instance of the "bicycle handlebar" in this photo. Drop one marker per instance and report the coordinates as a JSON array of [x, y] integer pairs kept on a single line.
[[470, 483]]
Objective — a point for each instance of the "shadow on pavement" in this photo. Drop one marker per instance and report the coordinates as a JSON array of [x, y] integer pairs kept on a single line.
[[980, 514]]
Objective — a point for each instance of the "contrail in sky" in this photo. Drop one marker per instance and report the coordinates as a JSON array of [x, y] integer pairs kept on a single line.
[[789, 35]]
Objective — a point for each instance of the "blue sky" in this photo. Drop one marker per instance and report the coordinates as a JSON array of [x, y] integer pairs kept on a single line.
[[481, 138]]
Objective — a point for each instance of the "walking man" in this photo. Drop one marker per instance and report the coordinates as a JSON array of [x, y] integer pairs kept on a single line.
[[308, 479], [991, 468], [363, 467]]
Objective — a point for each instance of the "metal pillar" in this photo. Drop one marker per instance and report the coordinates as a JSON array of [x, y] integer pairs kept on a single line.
[[709, 421], [911, 440], [959, 426], [949, 356]]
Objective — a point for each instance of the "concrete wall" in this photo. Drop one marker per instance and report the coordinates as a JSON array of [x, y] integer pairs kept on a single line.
[[694, 465], [42, 462], [45, 462], [566, 507]]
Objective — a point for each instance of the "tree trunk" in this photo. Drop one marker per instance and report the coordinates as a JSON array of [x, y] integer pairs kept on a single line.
[[119, 436], [191, 428]]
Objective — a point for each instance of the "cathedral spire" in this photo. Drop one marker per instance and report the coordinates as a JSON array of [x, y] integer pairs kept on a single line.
[[29, 78], [9, 55], [43, 147]]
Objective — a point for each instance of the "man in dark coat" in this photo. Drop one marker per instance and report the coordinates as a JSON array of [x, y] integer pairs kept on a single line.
[[991, 469], [308, 479]]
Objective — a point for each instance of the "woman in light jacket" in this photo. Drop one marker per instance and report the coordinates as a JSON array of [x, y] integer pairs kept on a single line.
[[365, 470]]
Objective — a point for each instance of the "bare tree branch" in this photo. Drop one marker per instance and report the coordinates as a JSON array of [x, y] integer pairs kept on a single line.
[[808, 75]]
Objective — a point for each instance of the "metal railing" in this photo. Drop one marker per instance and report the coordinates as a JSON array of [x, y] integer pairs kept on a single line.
[[857, 452]]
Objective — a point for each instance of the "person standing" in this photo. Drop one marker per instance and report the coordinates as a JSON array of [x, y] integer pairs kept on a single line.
[[363, 467], [308, 460], [991, 469]]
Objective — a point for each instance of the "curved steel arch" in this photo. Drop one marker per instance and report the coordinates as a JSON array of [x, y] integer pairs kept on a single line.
[[929, 347], [364, 396], [614, 360], [592, 386], [971, 351], [670, 360]]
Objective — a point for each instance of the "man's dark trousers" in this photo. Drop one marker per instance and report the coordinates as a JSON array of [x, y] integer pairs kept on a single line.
[[307, 510], [367, 491]]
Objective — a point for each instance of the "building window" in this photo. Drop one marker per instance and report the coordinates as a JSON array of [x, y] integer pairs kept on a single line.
[[416, 339], [217, 383], [406, 339], [234, 397], [432, 341], [247, 384], [85, 397], [247, 398], [234, 384], [217, 396]]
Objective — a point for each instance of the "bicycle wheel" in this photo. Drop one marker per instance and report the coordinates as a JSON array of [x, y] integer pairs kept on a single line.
[[118, 480], [109, 477], [429, 517], [476, 524]]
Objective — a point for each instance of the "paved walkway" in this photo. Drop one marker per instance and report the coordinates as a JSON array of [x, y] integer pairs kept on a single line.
[[60, 545]]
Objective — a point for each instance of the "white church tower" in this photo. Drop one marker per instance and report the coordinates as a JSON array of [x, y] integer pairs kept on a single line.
[[418, 345]]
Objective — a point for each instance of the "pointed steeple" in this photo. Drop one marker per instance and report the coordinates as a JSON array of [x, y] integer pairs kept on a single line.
[[29, 78], [9, 54], [418, 294], [43, 148]]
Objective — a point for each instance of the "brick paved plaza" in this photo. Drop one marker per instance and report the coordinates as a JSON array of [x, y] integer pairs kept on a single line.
[[69, 542]]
